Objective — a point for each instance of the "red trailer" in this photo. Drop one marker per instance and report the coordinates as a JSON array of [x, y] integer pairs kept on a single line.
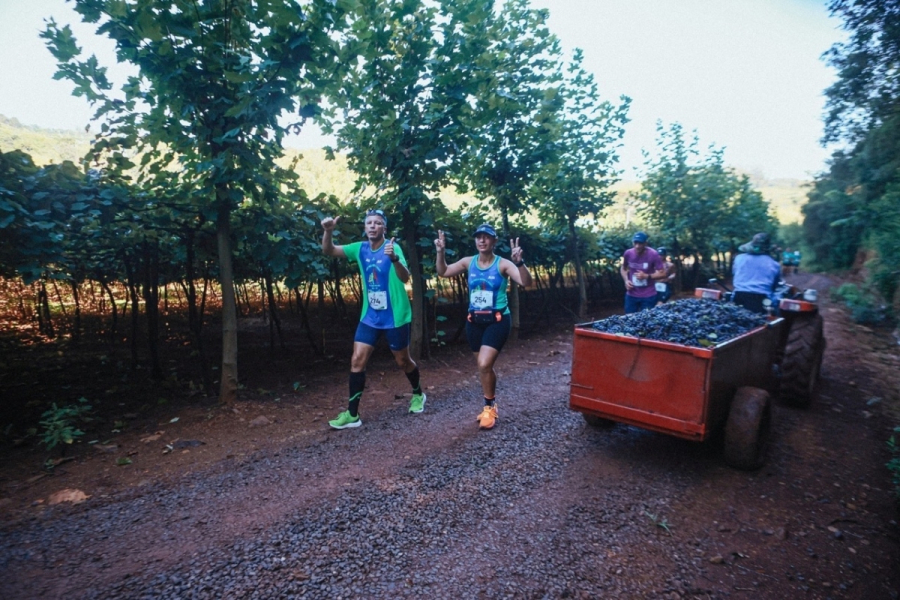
[[680, 390]]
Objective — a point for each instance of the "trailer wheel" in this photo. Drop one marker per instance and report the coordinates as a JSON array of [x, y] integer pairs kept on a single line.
[[747, 429], [802, 360], [598, 422]]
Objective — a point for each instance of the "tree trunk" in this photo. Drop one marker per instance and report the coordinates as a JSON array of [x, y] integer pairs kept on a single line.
[[416, 336], [76, 325], [195, 312], [132, 293], [579, 271], [115, 313], [151, 306], [228, 383], [338, 295], [320, 302], [270, 294], [202, 310], [513, 296], [302, 308], [59, 298], [26, 314], [45, 322]]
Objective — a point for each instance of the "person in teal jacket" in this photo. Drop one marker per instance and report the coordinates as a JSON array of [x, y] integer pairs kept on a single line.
[[385, 309]]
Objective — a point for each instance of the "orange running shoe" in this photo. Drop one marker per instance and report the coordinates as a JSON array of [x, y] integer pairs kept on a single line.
[[488, 417]]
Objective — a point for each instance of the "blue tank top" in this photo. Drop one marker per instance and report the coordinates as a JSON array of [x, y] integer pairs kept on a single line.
[[487, 287], [376, 269]]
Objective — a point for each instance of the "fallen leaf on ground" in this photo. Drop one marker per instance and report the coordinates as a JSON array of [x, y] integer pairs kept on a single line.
[[67, 495]]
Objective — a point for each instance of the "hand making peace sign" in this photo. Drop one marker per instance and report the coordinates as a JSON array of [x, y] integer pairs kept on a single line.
[[439, 244], [515, 254]]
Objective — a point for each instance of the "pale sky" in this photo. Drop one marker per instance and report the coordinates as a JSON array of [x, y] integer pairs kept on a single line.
[[745, 74]]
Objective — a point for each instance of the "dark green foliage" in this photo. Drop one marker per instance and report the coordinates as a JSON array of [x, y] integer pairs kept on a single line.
[[853, 206], [689, 322], [59, 424], [867, 89], [893, 465], [864, 306], [832, 226]]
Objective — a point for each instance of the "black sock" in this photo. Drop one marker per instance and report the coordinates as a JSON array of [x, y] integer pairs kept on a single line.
[[357, 384], [413, 377], [488, 401]]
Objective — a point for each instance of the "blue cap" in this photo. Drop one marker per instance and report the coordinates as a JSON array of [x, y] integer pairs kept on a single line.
[[378, 212], [485, 228], [640, 237]]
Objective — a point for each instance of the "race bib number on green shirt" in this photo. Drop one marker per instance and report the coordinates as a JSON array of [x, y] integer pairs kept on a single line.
[[378, 300]]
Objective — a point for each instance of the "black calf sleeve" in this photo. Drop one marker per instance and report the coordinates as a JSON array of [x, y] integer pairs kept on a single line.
[[357, 385]]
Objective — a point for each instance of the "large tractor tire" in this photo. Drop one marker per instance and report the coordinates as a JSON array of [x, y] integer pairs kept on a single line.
[[802, 360], [748, 428]]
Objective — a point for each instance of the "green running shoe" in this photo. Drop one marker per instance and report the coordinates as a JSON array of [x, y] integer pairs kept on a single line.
[[417, 403], [344, 421]]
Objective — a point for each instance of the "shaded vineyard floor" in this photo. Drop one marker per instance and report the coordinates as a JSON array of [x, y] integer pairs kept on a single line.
[[164, 427]]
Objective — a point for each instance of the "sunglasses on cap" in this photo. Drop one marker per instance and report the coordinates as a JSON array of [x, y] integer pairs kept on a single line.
[[377, 213]]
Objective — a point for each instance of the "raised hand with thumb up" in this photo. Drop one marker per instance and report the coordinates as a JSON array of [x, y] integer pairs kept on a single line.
[[389, 251]]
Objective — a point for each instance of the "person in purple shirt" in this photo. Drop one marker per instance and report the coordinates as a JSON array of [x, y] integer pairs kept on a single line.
[[641, 266]]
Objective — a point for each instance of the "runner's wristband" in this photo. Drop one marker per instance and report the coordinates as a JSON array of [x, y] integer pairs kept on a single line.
[[521, 263]]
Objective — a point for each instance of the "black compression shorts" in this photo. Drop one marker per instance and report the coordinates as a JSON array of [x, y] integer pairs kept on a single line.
[[489, 334]]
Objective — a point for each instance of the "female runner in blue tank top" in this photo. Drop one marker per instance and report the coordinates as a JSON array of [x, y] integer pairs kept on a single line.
[[488, 322]]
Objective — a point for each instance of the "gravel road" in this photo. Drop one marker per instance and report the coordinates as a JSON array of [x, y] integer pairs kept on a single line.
[[541, 507]]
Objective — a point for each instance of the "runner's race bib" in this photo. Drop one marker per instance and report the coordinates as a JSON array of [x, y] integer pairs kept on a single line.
[[481, 299], [661, 288], [378, 300], [638, 282]]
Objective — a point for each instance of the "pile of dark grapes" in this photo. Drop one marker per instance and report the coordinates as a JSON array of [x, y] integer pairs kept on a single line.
[[690, 322]]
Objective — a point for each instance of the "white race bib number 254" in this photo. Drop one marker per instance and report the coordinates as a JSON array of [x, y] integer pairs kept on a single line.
[[482, 299]]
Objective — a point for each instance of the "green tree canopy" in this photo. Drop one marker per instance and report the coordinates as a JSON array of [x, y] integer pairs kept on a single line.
[[580, 167], [696, 201], [403, 108], [213, 80], [852, 205]]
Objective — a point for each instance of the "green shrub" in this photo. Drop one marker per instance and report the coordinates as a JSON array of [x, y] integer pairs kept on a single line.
[[59, 424], [847, 292], [864, 305], [893, 465]]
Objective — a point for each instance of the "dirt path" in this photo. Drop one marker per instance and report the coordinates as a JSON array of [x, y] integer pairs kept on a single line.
[[542, 506]]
